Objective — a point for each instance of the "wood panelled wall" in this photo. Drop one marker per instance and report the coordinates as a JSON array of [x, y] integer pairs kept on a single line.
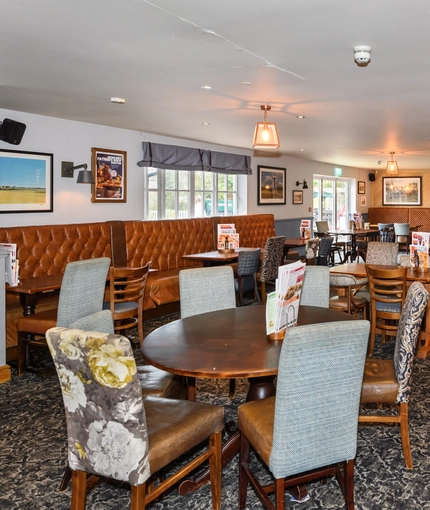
[[376, 186]]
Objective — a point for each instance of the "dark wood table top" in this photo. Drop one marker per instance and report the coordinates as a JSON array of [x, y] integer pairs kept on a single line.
[[359, 270], [226, 344], [355, 232], [216, 256], [38, 284], [295, 242]]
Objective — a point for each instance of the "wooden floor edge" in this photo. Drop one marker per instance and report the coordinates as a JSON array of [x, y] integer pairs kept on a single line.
[[5, 374]]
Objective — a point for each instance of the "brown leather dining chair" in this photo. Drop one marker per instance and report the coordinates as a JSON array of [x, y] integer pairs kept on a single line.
[[387, 288], [126, 291], [387, 382]]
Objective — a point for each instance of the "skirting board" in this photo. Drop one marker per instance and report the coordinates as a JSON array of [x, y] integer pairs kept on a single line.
[[5, 374]]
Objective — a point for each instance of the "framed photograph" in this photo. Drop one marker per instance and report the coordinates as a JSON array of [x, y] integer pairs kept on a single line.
[[297, 197], [271, 185], [363, 201], [26, 181], [110, 172], [361, 187], [401, 191]]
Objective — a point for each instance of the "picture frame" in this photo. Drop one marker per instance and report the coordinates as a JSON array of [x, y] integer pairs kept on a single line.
[[361, 187], [400, 191], [297, 197], [363, 202], [271, 185], [26, 181], [110, 174]]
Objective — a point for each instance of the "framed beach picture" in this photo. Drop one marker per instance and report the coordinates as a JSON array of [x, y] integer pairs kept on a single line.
[[110, 172], [271, 185], [26, 181], [401, 191]]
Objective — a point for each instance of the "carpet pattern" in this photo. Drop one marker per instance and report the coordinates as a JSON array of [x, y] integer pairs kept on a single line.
[[33, 452]]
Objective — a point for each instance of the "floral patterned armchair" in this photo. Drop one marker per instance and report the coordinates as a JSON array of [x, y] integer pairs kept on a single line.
[[109, 434]]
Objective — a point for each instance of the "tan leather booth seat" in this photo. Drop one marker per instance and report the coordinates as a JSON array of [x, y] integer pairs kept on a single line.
[[412, 215], [47, 249]]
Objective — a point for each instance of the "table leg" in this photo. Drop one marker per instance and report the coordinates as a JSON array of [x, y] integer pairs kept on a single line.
[[423, 350], [28, 303]]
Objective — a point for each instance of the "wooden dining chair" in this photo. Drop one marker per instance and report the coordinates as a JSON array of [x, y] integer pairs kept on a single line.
[[114, 433], [387, 289], [347, 298], [126, 291], [299, 434], [387, 382], [81, 294]]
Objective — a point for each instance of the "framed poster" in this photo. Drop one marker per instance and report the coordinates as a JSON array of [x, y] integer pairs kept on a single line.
[[110, 172], [297, 197], [271, 185], [361, 187], [363, 202], [401, 191], [26, 181]]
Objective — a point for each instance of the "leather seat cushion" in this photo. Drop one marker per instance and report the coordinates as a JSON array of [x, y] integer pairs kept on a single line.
[[158, 383], [379, 381], [37, 323], [176, 426], [256, 419]]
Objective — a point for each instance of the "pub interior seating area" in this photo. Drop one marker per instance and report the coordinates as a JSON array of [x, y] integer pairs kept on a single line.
[[214, 255]]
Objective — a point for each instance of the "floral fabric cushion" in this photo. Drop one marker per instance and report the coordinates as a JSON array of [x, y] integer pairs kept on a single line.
[[407, 335], [106, 423]]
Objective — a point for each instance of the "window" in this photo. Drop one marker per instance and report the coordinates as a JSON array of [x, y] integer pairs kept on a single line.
[[331, 201], [188, 194]]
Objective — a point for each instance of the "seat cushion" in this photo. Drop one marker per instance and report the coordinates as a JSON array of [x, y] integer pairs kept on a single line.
[[256, 419], [159, 383], [176, 426], [379, 381]]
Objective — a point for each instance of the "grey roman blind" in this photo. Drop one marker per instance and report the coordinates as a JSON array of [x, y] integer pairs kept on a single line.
[[173, 157]]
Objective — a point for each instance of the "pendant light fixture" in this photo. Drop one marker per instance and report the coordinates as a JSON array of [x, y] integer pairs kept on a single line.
[[266, 134], [392, 168]]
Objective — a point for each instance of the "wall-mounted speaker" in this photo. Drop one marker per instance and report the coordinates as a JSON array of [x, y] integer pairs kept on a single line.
[[12, 131], [372, 177]]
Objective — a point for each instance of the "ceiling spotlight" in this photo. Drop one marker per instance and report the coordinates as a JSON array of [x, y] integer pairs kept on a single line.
[[362, 55], [392, 168], [266, 133], [300, 116], [118, 100], [305, 184]]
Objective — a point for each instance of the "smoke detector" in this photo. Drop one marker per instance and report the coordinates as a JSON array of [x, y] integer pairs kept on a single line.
[[362, 55]]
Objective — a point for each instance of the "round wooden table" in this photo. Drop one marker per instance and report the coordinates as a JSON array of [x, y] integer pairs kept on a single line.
[[225, 344]]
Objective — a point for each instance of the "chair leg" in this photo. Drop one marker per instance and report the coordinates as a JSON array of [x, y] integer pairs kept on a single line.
[[245, 449], [215, 465], [279, 494], [138, 493], [21, 353], [79, 490], [404, 432], [349, 484]]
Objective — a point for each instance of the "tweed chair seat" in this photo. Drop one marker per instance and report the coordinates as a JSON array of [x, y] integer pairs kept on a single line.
[[317, 363], [113, 432], [389, 381]]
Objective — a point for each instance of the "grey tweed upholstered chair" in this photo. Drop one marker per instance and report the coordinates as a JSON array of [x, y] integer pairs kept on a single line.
[[382, 253], [316, 286], [202, 290], [388, 381], [300, 431], [248, 263], [113, 432], [81, 294]]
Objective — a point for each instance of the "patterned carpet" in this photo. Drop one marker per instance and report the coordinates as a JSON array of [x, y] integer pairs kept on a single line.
[[33, 453]]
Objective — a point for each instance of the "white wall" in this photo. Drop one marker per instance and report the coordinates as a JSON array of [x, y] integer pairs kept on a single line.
[[72, 141]]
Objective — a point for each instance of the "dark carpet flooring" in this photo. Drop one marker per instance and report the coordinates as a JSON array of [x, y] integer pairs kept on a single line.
[[33, 453]]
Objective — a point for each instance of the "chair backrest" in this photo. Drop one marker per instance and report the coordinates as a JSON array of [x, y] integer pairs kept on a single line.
[[324, 250], [384, 254], [386, 232], [206, 289], [100, 321], [105, 415], [248, 262], [387, 286], [316, 286], [322, 226], [82, 289], [272, 258], [312, 248], [319, 364], [407, 335], [402, 229], [127, 287]]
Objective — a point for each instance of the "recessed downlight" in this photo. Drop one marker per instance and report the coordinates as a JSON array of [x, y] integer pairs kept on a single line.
[[118, 100], [206, 87], [206, 123], [245, 83], [300, 116]]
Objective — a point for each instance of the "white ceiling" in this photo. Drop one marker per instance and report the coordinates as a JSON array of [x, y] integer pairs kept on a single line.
[[67, 58]]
